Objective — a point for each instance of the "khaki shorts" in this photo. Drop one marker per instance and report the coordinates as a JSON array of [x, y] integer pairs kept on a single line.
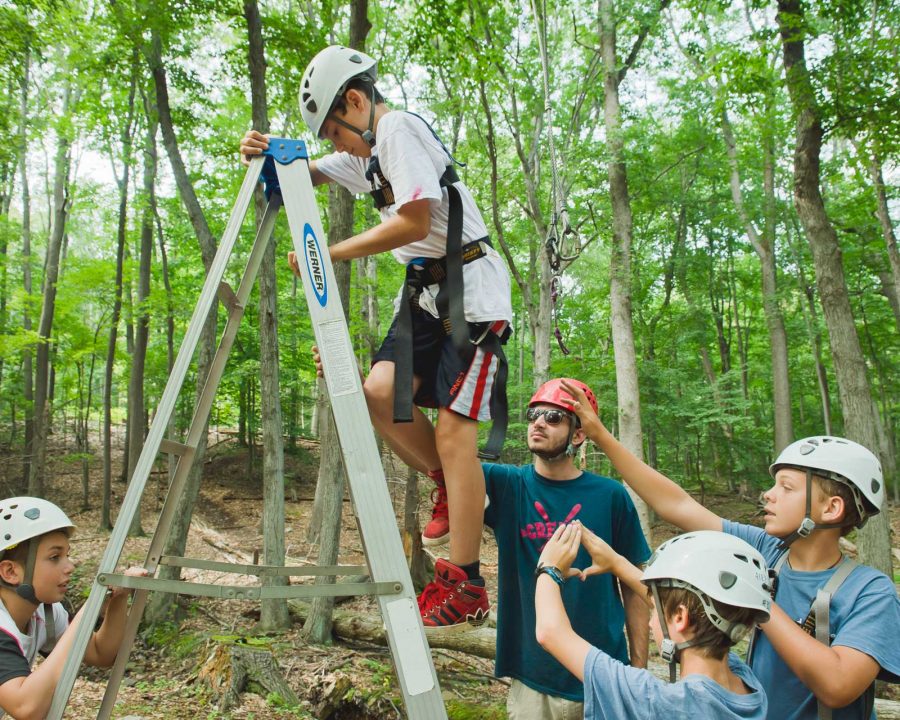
[[524, 703]]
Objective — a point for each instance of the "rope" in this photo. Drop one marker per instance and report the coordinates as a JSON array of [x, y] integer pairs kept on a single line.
[[560, 227]]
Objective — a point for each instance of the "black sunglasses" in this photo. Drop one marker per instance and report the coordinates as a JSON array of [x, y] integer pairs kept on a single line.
[[552, 416]]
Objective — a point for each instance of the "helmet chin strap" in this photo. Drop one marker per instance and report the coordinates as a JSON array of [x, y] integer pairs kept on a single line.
[[670, 651], [808, 524], [367, 135], [25, 590]]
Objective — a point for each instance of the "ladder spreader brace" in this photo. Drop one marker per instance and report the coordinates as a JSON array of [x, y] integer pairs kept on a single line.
[[288, 183]]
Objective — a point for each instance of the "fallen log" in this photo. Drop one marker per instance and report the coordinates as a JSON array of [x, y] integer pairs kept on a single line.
[[481, 642]]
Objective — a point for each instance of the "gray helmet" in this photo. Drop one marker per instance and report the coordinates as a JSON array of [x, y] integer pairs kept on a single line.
[[23, 518], [326, 78], [714, 566]]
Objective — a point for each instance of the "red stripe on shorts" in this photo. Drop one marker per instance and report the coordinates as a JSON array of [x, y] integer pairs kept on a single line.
[[479, 386]]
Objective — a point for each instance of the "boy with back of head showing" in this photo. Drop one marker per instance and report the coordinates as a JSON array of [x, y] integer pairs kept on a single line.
[[708, 590], [35, 571], [444, 347], [835, 625]]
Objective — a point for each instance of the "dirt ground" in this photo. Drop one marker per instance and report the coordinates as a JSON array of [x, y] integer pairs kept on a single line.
[[165, 675]]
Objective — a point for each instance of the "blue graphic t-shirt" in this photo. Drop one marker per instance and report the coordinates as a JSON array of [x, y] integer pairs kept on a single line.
[[614, 691], [525, 508], [864, 615]]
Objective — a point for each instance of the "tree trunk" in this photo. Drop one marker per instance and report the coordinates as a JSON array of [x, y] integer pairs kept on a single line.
[[27, 356], [620, 262], [161, 603], [764, 248], [325, 522], [136, 411], [232, 667], [860, 416], [887, 228], [421, 567], [330, 486], [274, 613], [48, 306]]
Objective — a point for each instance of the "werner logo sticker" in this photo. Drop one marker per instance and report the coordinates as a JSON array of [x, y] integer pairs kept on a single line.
[[315, 265]]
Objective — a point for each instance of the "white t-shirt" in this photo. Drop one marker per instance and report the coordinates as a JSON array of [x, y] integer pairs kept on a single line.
[[412, 161], [19, 650]]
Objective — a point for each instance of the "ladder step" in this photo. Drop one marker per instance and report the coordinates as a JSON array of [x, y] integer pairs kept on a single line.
[[248, 592], [172, 447], [265, 570], [228, 297]]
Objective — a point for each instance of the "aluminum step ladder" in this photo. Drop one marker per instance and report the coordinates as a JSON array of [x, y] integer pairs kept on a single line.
[[285, 170]]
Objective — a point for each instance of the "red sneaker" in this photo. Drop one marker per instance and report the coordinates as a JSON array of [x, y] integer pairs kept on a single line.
[[437, 531], [431, 594], [460, 606]]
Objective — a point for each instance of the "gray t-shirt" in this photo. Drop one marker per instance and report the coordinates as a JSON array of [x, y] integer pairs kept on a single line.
[[613, 691]]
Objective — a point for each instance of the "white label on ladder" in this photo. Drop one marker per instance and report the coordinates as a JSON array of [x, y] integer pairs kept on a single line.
[[410, 652], [338, 358]]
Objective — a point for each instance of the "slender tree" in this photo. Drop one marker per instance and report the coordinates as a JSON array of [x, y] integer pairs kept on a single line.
[[274, 614], [861, 419]]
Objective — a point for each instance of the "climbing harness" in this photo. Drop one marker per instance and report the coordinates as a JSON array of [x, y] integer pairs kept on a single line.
[[446, 272]]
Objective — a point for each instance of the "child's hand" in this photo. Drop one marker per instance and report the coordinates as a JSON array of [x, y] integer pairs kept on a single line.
[[292, 262], [603, 557], [317, 361], [253, 143], [131, 572], [583, 408], [561, 549]]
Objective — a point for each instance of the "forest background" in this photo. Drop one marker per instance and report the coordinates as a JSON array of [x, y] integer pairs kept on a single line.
[[717, 181]]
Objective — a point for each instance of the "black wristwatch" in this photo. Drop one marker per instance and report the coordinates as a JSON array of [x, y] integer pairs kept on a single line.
[[551, 570]]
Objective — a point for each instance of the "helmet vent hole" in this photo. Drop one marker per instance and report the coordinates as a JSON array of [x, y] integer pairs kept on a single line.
[[356, 59], [311, 106], [32, 513], [876, 486], [727, 579]]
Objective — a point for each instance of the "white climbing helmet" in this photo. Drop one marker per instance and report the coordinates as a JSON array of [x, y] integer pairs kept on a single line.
[[842, 460], [714, 566], [23, 518], [326, 77]]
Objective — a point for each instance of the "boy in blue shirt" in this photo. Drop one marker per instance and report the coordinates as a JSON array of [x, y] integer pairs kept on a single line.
[[425, 360], [824, 486], [708, 589]]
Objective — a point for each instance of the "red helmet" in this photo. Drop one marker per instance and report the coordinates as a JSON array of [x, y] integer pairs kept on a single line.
[[553, 393]]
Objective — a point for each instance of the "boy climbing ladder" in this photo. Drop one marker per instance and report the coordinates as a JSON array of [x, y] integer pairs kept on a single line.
[[444, 347]]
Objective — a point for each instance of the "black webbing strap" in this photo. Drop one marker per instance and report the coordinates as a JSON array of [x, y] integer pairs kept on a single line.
[[449, 306], [499, 407], [450, 298], [384, 195]]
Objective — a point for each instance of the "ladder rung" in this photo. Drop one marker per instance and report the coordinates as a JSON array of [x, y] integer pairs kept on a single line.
[[228, 297], [265, 570], [173, 447], [248, 592]]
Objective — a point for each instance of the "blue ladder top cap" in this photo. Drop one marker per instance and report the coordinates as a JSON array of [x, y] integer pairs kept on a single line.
[[284, 151]]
